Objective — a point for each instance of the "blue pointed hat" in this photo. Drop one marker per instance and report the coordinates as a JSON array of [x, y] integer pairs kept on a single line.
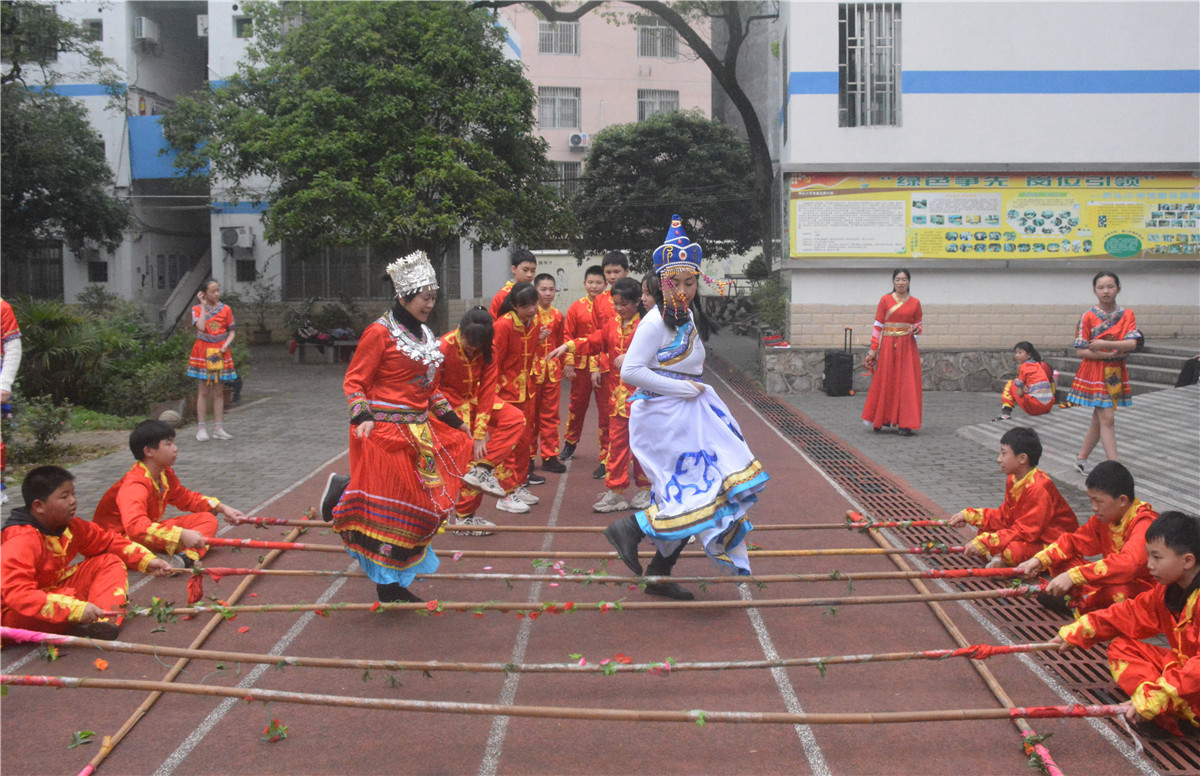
[[677, 252]]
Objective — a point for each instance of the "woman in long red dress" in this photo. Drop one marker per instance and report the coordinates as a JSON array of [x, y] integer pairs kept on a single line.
[[405, 468], [895, 395]]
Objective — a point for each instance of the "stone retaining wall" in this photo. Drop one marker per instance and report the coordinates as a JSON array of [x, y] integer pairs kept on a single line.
[[800, 370]]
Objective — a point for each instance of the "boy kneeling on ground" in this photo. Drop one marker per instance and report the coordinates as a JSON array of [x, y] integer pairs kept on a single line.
[[40, 588], [1163, 684]]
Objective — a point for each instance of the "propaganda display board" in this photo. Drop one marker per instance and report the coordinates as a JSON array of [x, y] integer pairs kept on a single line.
[[1004, 216]]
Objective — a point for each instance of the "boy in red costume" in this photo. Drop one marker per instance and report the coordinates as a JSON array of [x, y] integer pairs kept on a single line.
[[1163, 684], [514, 348], [135, 504], [580, 322], [547, 374], [41, 588], [524, 267], [1117, 532], [1033, 514], [611, 343]]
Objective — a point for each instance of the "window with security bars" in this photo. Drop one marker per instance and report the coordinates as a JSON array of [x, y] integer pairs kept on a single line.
[[338, 272], [656, 39], [868, 64], [567, 181], [652, 102], [558, 107], [37, 272], [558, 37]]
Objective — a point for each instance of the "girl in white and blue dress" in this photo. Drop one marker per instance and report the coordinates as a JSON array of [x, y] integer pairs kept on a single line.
[[704, 477]]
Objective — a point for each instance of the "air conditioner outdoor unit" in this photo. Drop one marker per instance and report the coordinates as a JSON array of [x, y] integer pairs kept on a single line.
[[237, 237], [145, 29], [577, 140]]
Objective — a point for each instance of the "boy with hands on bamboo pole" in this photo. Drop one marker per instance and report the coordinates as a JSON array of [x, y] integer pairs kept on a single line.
[[1116, 532], [1163, 684]]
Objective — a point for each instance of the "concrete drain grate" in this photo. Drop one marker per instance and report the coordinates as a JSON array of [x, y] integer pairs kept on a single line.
[[1084, 671]]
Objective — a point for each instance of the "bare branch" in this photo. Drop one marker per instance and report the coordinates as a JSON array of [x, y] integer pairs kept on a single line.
[[545, 9]]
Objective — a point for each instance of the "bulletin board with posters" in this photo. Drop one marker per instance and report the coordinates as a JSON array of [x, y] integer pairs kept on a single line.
[[1006, 216]]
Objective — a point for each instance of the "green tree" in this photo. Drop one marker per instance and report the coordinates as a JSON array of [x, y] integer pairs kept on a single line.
[[692, 20], [398, 122], [639, 174], [54, 180]]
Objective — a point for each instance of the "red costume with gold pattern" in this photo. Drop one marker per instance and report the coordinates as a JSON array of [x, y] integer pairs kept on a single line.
[[1032, 516], [44, 590], [498, 299], [135, 504], [1164, 684], [580, 322], [1121, 572], [547, 376], [469, 386], [611, 342], [514, 351]]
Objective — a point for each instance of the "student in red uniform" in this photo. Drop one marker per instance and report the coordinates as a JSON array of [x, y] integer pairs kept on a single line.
[[1116, 532], [612, 342], [10, 361], [468, 383], [135, 504], [615, 266], [40, 586], [211, 362], [547, 374], [524, 267], [1033, 514], [1033, 388], [514, 348], [1163, 684], [580, 322]]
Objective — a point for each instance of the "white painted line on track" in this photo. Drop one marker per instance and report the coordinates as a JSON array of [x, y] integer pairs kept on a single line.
[[508, 691], [1127, 751], [176, 758]]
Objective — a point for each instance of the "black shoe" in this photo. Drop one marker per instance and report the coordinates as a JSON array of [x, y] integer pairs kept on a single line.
[[394, 593], [624, 536], [906, 432], [553, 465], [100, 629], [669, 590], [535, 479], [600, 473], [335, 486], [1055, 603], [568, 450]]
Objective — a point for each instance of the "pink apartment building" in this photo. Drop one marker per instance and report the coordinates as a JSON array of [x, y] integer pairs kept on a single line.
[[592, 73]]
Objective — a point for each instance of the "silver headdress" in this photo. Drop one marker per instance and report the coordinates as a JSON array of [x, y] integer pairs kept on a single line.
[[412, 273]]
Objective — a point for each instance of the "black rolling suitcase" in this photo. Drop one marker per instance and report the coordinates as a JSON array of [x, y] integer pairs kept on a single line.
[[839, 368]]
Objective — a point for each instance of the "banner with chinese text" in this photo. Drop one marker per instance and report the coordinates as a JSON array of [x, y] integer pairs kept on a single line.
[[1005, 216]]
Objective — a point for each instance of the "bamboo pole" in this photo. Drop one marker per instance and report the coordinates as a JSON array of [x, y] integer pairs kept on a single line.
[[110, 742], [601, 606], [858, 523], [218, 572], [266, 545], [560, 712], [975, 652], [985, 673]]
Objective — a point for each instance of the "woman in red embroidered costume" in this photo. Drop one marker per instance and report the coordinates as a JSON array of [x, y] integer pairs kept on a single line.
[[1106, 334], [211, 362], [405, 468], [895, 395]]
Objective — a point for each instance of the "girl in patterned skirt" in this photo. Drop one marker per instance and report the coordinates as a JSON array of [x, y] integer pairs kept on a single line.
[[211, 362]]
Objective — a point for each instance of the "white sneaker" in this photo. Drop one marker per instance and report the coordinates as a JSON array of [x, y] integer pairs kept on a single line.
[[510, 504], [484, 479], [202, 434], [641, 501], [523, 495], [475, 521], [220, 433], [996, 563], [4, 496], [612, 502]]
